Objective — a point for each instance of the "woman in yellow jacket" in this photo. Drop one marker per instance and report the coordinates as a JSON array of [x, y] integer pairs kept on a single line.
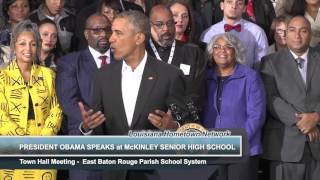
[[28, 102]]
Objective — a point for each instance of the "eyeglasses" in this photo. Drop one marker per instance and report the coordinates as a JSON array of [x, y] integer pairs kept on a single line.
[[98, 31], [160, 24], [226, 47], [281, 31]]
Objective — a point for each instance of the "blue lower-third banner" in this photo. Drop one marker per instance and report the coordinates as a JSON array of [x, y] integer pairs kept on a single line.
[[145, 149]]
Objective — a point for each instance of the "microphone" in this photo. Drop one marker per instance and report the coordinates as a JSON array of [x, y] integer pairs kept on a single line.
[[193, 112], [178, 114]]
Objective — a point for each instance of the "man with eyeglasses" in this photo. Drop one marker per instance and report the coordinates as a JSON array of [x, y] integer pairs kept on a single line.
[[251, 35], [291, 76], [96, 6], [134, 92], [186, 56], [74, 81]]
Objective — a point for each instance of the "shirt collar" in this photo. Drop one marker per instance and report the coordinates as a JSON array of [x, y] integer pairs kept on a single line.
[[239, 22], [96, 54], [303, 56], [139, 69]]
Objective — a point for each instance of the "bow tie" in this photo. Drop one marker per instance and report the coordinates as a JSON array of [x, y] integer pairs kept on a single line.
[[228, 27]]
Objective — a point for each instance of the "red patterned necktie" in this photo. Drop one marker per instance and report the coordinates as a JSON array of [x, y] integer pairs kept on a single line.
[[228, 27], [250, 11], [103, 60]]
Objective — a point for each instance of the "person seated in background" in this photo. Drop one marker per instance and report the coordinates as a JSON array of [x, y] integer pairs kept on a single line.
[[282, 7], [64, 19], [235, 99], [14, 11], [278, 31], [28, 101], [109, 8], [5, 55], [146, 5], [50, 46], [183, 20], [188, 22], [310, 10]]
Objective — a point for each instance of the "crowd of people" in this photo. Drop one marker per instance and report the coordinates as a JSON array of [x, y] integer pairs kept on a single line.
[[104, 67]]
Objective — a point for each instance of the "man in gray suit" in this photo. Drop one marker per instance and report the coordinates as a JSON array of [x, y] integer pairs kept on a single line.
[[291, 135]]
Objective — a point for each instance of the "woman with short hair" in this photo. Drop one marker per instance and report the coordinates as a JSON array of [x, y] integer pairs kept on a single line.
[[236, 99]]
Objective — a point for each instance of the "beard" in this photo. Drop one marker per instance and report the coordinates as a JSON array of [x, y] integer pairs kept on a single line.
[[166, 40], [102, 46]]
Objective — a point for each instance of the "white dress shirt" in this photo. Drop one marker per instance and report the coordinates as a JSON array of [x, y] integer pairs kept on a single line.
[[96, 54], [130, 84]]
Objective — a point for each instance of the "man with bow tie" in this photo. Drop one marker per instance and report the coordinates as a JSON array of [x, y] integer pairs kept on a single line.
[[252, 37]]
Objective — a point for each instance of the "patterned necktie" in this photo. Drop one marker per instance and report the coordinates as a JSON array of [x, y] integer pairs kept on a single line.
[[103, 60], [228, 27], [300, 62]]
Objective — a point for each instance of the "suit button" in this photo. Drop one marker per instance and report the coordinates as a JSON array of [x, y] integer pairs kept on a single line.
[[39, 124], [36, 104]]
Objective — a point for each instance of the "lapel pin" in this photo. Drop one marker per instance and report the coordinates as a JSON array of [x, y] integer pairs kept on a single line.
[[150, 78]]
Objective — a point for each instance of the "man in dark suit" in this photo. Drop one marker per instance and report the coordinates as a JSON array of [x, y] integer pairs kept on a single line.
[[186, 56], [75, 71], [291, 135], [133, 93]]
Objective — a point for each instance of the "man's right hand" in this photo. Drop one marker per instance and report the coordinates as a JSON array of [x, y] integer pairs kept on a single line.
[[90, 119]]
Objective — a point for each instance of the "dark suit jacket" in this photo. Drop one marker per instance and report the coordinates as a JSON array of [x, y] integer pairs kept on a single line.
[[74, 83], [160, 86], [288, 95]]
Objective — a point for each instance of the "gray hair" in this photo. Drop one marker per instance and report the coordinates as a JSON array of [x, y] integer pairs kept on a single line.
[[139, 21], [26, 26], [240, 51]]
